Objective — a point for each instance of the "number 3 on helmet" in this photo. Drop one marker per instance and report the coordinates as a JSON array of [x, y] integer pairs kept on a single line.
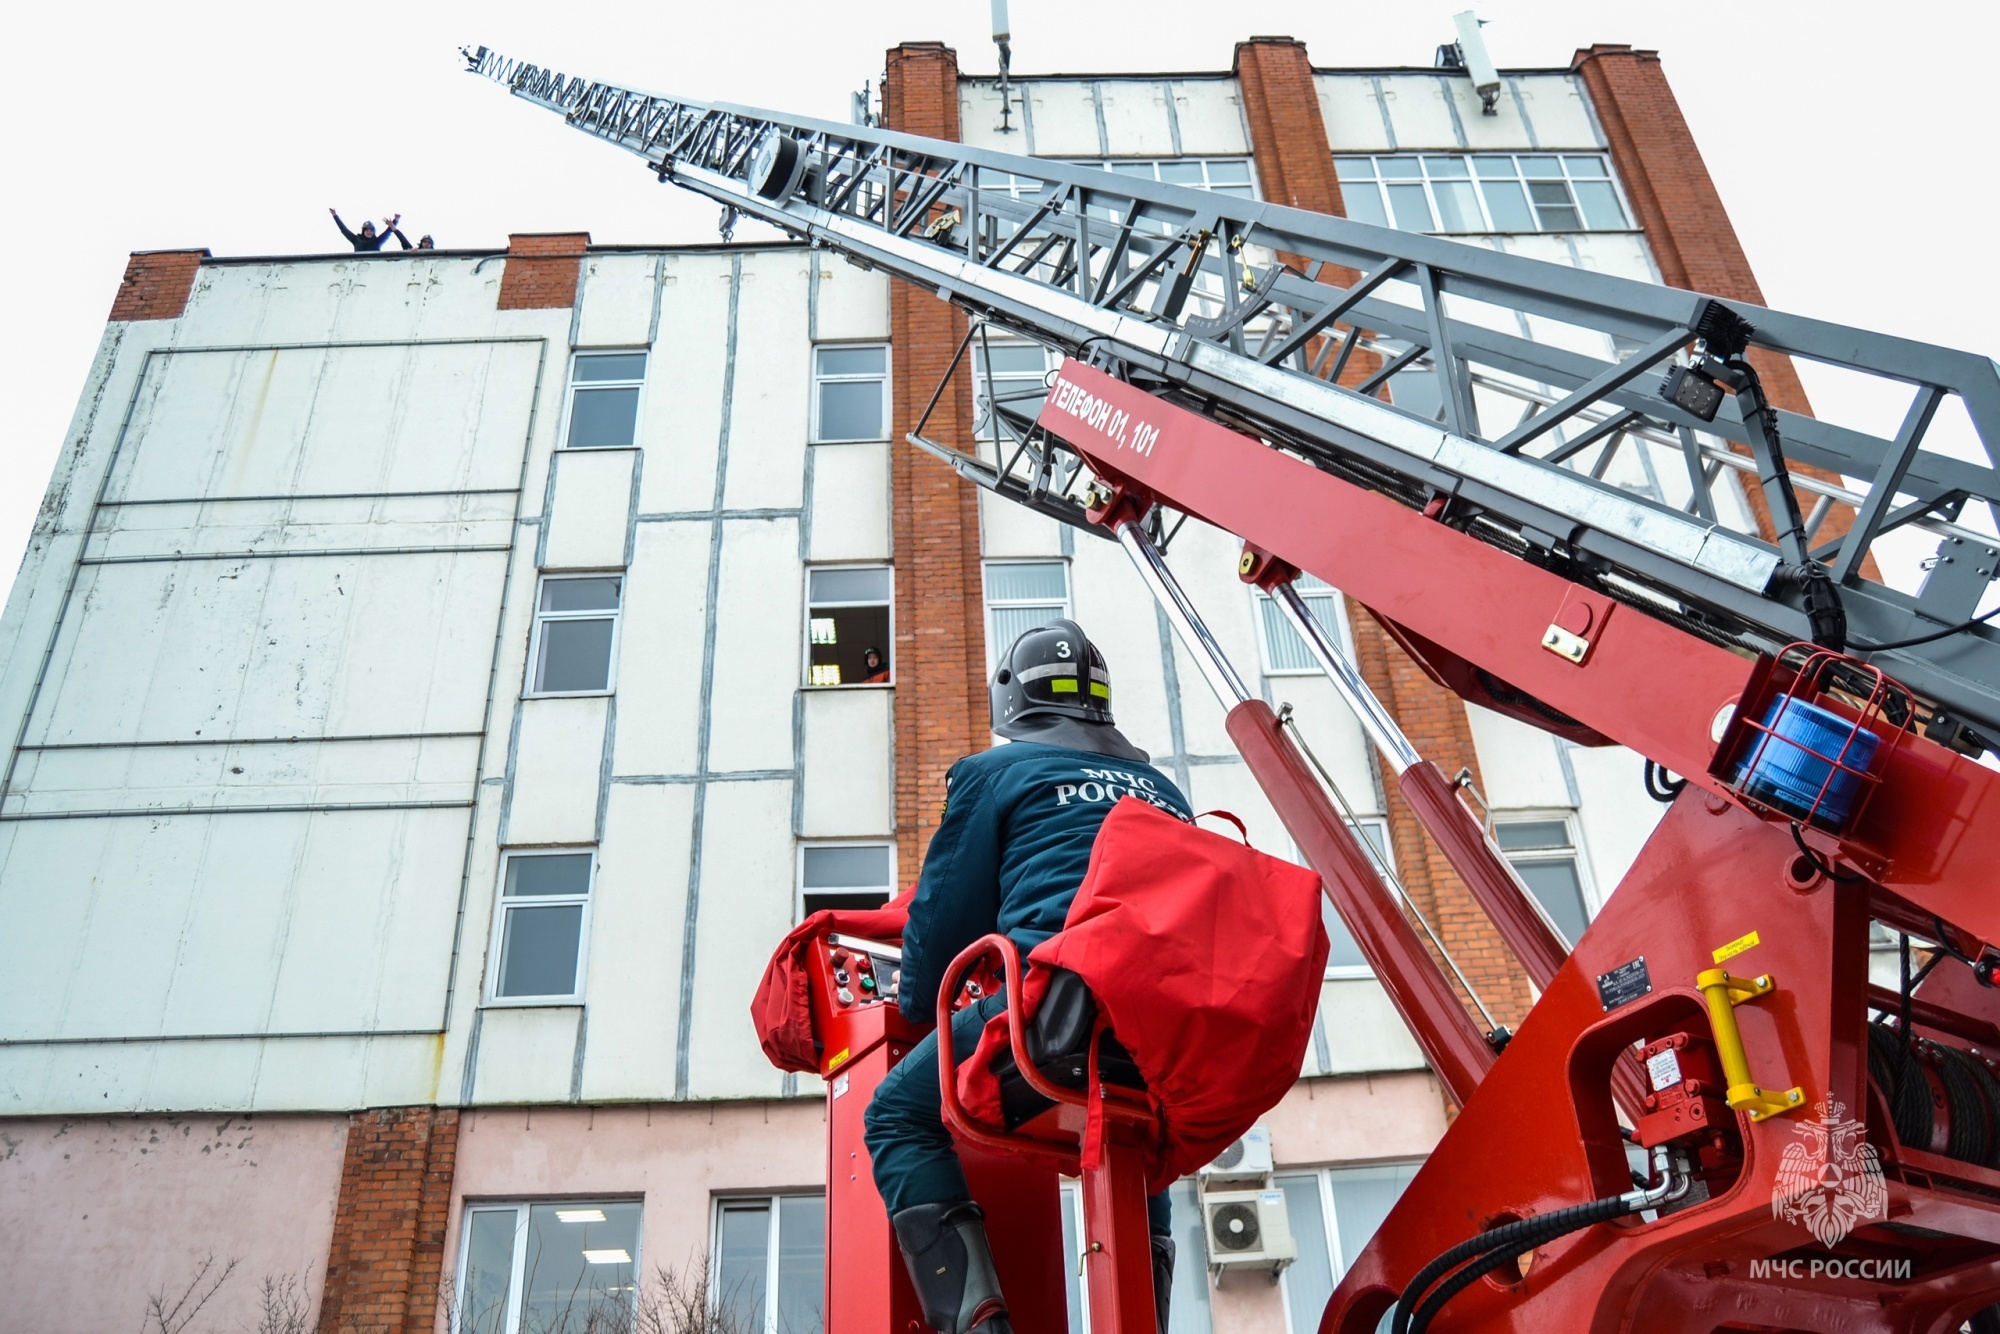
[[1052, 671]]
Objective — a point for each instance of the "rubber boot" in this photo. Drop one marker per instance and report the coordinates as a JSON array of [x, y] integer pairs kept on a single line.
[[1163, 1280], [951, 1267]]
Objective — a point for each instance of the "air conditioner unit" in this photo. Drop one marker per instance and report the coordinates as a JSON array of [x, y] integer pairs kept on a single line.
[[1247, 1229], [1247, 1159]]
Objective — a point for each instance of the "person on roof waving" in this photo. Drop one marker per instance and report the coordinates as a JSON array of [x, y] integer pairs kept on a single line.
[[1008, 856]]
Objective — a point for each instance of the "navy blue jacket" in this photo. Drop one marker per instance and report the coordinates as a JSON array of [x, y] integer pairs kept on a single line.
[[1013, 847]]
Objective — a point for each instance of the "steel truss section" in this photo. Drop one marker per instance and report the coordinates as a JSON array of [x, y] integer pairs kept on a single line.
[[1496, 405]]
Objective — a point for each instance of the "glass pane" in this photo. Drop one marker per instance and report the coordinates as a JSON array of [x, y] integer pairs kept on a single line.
[[1404, 168], [1044, 581], [1354, 169], [1224, 171], [1363, 200], [489, 1268], [857, 650], [1312, 583], [1190, 1301], [576, 655], [869, 583], [558, 873], [1411, 210], [1444, 168], [1600, 204], [1014, 359], [1342, 951], [1362, 1198], [1553, 206], [857, 900], [1010, 623], [1515, 835], [846, 868], [1181, 173], [1508, 206], [538, 952], [603, 418], [619, 366], [1585, 166], [801, 1264], [1309, 1279], [850, 410], [1556, 885], [1493, 166], [1458, 211], [580, 595], [1125, 168], [1072, 1280], [1283, 648], [1540, 166], [582, 1267], [742, 1240], [853, 360]]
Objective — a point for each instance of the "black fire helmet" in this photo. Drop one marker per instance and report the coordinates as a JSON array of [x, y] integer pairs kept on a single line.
[[1051, 671]]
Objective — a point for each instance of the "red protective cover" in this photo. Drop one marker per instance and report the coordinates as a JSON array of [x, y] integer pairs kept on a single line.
[[782, 1008], [1206, 958]]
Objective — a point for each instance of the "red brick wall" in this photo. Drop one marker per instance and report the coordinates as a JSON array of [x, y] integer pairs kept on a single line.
[[387, 1256], [940, 666], [157, 284], [1295, 167], [541, 270]]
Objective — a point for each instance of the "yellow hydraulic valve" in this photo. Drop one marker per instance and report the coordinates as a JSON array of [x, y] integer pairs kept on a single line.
[[1723, 994]]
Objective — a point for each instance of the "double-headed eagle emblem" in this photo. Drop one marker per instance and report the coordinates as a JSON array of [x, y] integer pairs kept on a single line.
[[1830, 1178]]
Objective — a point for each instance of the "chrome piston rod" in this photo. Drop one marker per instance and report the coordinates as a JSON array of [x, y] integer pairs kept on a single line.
[[1346, 678]]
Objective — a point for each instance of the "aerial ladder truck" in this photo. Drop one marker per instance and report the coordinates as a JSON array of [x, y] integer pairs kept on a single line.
[[1711, 1119]]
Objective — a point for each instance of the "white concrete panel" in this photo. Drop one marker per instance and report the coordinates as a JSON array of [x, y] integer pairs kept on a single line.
[[1135, 118], [402, 1071], [1335, 737], [346, 524], [1503, 131], [298, 1074], [526, 1054], [1230, 787], [1353, 114], [853, 303], [617, 294], [1621, 254], [1518, 762], [1065, 117], [759, 627], [1114, 607], [979, 117], [1559, 108], [746, 908], [850, 502], [768, 420], [330, 422], [660, 648], [1007, 530], [1211, 117], [1418, 111], [1617, 818], [683, 400], [556, 765], [591, 511], [1363, 1030], [849, 750], [214, 1076], [637, 914]]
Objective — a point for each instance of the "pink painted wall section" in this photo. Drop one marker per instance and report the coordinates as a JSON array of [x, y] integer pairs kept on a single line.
[[678, 1157], [99, 1213]]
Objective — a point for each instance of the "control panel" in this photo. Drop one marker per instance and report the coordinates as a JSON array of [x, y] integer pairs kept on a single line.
[[861, 972], [854, 984]]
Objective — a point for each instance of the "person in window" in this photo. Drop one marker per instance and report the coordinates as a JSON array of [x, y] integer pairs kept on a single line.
[[875, 672], [1008, 856], [367, 240]]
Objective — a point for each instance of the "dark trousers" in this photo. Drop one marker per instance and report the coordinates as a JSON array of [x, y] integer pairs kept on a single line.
[[908, 1145]]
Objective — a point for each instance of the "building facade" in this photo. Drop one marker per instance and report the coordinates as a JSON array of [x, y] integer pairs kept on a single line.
[[437, 680]]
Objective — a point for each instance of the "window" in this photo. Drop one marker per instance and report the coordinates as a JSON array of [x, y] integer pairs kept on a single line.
[[771, 1244], [1545, 856], [1022, 596], [604, 399], [848, 626], [845, 875], [1344, 958], [544, 910], [1333, 1212], [576, 631], [1285, 651], [850, 393], [1493, 192], [1225, 176], [1018, 383], [568, 1264], [1190, 1297]]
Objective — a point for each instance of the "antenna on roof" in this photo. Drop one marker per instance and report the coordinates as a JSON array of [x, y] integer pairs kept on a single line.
[[1468, 53], [1003, 39]]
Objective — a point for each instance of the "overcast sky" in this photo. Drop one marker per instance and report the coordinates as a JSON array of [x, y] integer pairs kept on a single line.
[[1852, 144]]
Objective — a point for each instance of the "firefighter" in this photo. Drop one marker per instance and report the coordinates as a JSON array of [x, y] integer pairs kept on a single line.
[[1009, 856]]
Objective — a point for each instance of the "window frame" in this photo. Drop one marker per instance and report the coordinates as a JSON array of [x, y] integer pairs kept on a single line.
[[569, 396], [1573, 851], [1329, 1220], [492, 997], [987, 604], [814, 435], [516, 1274], [772, 1246], [806, 844], [617, 615], [1343, 630], [1519, 177], [805, 629], [1357, 972]]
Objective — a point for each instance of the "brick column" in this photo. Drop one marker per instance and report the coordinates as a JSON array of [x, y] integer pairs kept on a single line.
[[542, 269], [1686, 226], [1295, 167], [940, 666], [387, 1256], [157, 284]]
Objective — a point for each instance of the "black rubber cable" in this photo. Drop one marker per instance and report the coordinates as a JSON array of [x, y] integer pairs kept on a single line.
[[1830, 872], [1945, 633], [1659, 786], [1532, 1232]]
